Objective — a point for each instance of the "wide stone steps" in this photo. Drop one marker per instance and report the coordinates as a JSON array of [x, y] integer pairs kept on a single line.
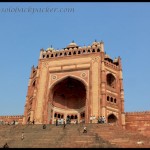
[[123, 138], [72, 136]]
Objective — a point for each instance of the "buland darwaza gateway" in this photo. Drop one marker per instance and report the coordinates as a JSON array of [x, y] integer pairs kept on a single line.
[[76, 82]]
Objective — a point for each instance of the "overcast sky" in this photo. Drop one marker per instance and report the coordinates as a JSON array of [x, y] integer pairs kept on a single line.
[[25, 28]]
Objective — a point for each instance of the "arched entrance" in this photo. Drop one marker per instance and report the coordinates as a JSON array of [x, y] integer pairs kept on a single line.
[[68, 99], [112, 119]]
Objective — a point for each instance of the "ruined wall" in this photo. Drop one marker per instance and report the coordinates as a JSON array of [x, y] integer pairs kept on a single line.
[[138, 121]]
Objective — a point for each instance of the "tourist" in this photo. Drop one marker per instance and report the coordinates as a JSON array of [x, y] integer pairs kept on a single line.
[[77, 121], [64, 124], [22, 136], [91, 118], [103, 119], [56, 122], [60, 121], [13, 122], [100, 119], [33, 121], [84, 129], [6, 145], [44, 126], [94, 118]]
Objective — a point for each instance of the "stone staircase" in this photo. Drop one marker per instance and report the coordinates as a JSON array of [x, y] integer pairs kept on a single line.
[[120, 137], [72, 136], [75, 138]]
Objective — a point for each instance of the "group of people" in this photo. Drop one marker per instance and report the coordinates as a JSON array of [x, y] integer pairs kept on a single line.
[[8, 123], [62, 122], [92, 119], [101, 119]]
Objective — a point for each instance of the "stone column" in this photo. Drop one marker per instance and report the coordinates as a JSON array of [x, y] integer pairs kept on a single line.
[[95, 86], [41, 53], [33, 106], [41, 93], [103, 88], [121, 94], [25, 111]]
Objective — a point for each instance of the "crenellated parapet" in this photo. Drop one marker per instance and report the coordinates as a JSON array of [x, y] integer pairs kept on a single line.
[[111, 65], [74, 50], [11, 119], [70, 51], [137, 112], [18, 116], [138, 121]]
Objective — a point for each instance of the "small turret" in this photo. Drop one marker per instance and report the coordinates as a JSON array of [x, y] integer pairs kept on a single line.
[[50, 49], [72, 45], [102, 46]]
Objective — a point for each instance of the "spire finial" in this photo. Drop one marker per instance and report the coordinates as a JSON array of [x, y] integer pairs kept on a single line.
[[72, 41], [95, 40]]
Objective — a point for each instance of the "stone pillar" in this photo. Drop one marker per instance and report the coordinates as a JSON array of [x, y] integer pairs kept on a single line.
[[87, 115], [41, 93], [102, 46], [103, 88], [24, 120], [95, 86], [25, 111], [33, 106], [121, 94], [41, 53], [31, 116]]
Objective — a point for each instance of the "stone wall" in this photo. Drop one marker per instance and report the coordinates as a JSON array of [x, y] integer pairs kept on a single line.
[[9, 119], [138, 121]]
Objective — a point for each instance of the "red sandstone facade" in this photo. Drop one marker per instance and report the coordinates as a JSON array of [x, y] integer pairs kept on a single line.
[[138, 121], [78, 82]]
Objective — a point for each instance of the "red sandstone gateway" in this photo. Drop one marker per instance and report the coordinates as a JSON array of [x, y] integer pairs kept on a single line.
[[75, 83]]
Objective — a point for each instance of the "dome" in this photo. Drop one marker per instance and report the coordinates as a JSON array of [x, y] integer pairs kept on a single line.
[[80, 48], [72, 44], [115, 60], [107, 56], [50, 49], [95, 43]]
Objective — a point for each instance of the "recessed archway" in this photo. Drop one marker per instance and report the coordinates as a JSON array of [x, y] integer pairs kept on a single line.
[[111, 80], [68, 97], [112, 118], [69, 93]]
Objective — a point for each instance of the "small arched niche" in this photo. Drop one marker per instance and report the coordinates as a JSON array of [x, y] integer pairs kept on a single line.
[[112, 118], [111, 80]]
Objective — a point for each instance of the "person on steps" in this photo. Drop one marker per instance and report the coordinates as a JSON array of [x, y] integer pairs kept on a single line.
[[84, 129]]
